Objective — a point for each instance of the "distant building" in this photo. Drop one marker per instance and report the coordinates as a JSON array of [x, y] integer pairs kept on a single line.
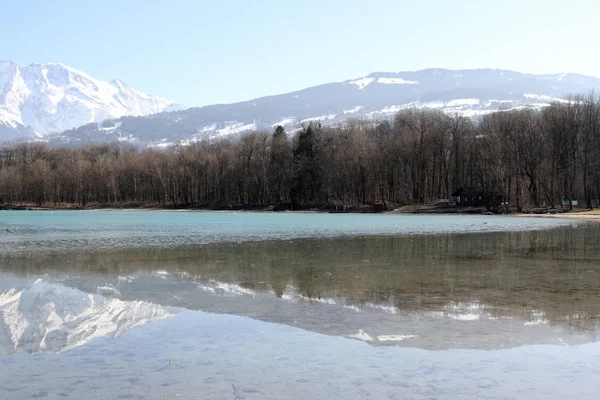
[[378, 206], [477, 197]]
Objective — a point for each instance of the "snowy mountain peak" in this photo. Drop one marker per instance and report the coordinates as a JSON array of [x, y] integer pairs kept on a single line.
[[118, 83], [48, 98], [380, 95]]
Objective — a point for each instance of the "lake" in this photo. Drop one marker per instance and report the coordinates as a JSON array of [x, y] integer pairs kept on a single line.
[[149, 304]]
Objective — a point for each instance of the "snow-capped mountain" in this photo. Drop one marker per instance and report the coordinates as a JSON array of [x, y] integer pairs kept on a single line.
[[379, 95], [49, 98], [49, 317]]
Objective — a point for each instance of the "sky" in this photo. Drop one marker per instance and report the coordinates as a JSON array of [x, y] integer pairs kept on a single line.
[[200, 52]]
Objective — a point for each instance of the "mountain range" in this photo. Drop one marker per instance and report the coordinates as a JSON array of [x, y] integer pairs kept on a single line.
[[66, 107], [40, 99]]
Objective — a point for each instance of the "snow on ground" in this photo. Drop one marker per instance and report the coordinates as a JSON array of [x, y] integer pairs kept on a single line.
[[110, 128], [285, 121], [208, 128], [321, 118], [190, 141], [362, 82], [128, 138], [54, 98], [234, 127], [6, 118], [466, 107], [161, 145], [221, 129], [396, 81], [490, 101], [463, 102], [392, 109], [353, 110], [545, 98], [470, 107]]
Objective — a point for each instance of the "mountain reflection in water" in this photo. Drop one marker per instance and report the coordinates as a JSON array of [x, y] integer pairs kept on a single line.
[[490, 290], [49, 317]]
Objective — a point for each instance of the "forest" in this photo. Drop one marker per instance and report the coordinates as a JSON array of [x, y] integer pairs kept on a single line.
[[534, 158]]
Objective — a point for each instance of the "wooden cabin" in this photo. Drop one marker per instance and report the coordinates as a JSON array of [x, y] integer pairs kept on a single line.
[[478, 198]]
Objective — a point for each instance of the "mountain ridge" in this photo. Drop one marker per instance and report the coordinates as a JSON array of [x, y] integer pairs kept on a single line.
[[378, 95], [39, 99]]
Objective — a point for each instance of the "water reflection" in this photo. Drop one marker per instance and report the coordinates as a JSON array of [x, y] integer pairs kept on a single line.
[[49, 317], [447, 291], [197, 355]]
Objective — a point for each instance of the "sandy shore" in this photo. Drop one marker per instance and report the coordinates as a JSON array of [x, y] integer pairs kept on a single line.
[[583, 215], [407, 209]]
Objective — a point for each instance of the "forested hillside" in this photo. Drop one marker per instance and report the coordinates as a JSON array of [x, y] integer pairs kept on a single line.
[[532, 157]]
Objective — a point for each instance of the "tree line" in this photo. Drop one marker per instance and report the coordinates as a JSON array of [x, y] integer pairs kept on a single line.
[[532, 157]]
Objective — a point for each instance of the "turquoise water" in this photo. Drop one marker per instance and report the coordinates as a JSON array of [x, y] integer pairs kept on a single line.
[[23, 231], [204, 305], [197, 355]]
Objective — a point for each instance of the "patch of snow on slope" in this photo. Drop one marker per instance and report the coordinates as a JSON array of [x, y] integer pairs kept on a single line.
[[208, 128], [235, 128], [393, 109], [321, 118], [161, 145], [396, 81], [353, 110], [8, 119], [463, 102], [110, 128], [545, 98], [470, 108], [490, 101], [285, 121], [362, 82]]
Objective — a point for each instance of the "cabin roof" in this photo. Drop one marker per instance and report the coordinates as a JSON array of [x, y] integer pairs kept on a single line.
[[475, 192]]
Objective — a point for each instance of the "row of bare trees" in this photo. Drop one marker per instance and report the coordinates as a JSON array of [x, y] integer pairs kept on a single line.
[[533, 158]]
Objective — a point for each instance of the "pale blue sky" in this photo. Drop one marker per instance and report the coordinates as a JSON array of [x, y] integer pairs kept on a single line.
[[201, 52]]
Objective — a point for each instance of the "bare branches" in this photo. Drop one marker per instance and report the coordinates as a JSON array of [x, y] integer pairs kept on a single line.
[[548, 158]]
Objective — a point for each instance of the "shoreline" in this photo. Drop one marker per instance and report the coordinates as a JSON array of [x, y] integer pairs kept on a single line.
[[583, 215]]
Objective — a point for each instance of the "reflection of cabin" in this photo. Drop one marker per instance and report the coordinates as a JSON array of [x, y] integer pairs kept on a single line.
[[478, 198]]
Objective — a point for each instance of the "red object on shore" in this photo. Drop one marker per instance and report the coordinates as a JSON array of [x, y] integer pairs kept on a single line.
[[378, 206]]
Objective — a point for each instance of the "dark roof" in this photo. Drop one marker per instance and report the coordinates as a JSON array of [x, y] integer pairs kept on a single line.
[[476, 192]]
